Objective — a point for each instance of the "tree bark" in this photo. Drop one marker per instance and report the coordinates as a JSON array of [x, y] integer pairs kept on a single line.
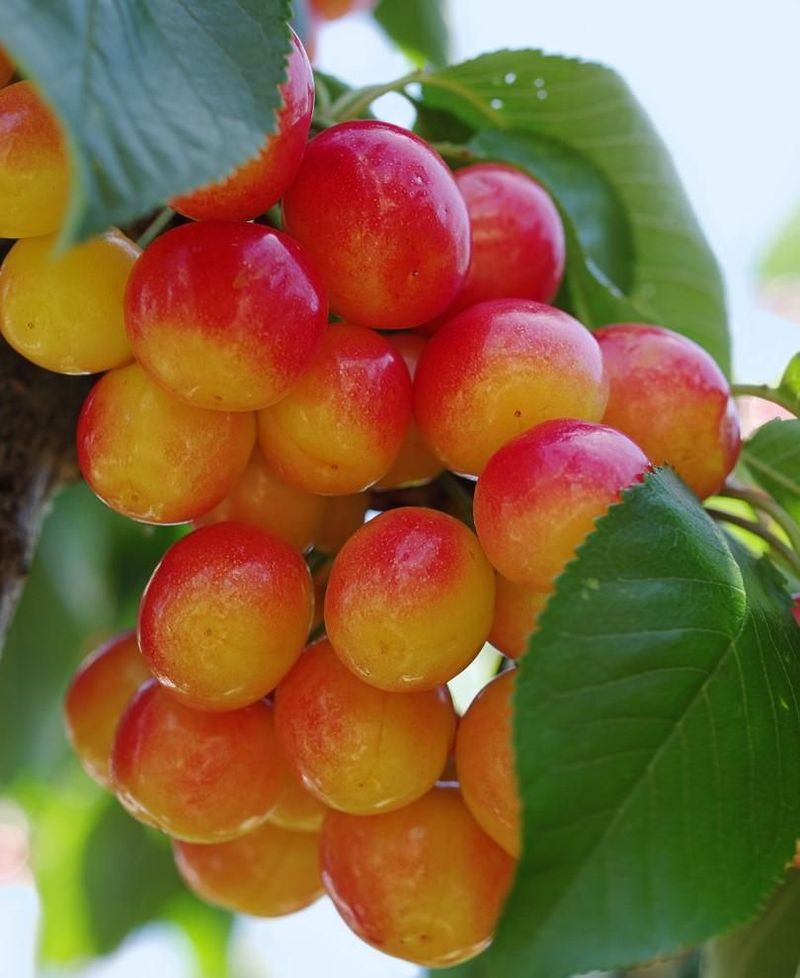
[[38, 413]]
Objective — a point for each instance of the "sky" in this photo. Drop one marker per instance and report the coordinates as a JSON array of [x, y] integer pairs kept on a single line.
[[720, 78]]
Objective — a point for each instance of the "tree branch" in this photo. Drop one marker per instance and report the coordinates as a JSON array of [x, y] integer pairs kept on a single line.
[[38, 412]]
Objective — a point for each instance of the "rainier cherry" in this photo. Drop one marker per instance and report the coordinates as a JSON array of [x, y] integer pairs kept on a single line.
[[225, 315], [409, 600], [260, 182], [540, 494], [381, 216], [516, 610], [668, 395], [424, 882]]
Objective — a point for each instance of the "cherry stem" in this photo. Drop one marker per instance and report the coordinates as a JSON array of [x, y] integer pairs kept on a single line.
[[765, 393], [780, 549], [350, 105], [761, 501], [155, 227]]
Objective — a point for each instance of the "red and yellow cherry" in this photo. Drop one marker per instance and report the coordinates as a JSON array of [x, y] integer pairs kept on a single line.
[[381, 216], [268, 872], [485, 762], [6, 68], [334, 9], [259, 183], [416, 463], [154, 458], [341, 517], [225, 315], [499, 368], [410, 599], [518, 248], [424, 883], [261, 499], [357, 748], [540, 494], [66, 312], [516, 611], [341, 426], [670, 397], [34, 171], [97, 696], [296, 809], [225, 615], [199, 776]]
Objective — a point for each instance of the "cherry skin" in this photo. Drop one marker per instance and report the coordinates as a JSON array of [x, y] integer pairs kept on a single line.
[[341, 517], [296, 808], [485, 763], [219, 778], [65, 313], [97, 696], [409, 600], [540, 494], [6, 68], [423, 883], [261, 499], [357, 748], [499, 368], [518, 248], [669, 396], [334, 9], [34, 170], [153, 458], [381, 216], [225, 315], [516, 610], [342, 425], [415, 463], [268, 872], [225, 615], [259, 183]]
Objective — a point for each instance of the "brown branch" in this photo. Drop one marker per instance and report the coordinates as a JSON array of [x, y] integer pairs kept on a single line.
[[38, 411]]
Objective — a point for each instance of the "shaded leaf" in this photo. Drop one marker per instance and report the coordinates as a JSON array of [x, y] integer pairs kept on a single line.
[[657, 735], [589, 110], [417, 27], [157, 97], [772, 457]]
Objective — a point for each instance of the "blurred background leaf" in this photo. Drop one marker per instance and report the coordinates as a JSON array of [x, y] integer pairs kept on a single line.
[[418, 28], [779, 270]]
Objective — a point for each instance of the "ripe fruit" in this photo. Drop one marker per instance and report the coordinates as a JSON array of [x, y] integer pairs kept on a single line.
[[410, 599], [65, 313], [34, 172], [154, 458], [259, 183], [516, 610], [99, 692], [261, 499], [499, 368], [415, 464], [424, 883], [485, 762], [225, 615], [296, 808], [668, 395], [341, 426], [381, 216], [219, 777], [539, 496], [518, 248], [267, 873], [334, 9], [342, 516], [357, 748], [225, 315], [6, 68]]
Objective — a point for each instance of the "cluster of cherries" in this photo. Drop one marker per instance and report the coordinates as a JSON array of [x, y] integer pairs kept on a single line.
[[282, 768]]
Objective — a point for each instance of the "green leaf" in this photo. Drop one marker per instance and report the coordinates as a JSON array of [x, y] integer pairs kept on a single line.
[[768, 947], [157, 97], [789, 386], [599, 255], [657, 736], [417, 27], [589, 111], [772, 457]]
